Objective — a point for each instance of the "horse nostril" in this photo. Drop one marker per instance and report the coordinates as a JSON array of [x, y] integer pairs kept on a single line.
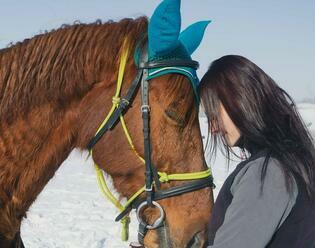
[[196, 241]]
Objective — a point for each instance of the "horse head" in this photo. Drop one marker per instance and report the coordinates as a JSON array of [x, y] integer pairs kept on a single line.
[[168, 94]]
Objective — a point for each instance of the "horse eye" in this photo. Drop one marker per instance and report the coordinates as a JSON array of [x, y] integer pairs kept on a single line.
[[177, 116]]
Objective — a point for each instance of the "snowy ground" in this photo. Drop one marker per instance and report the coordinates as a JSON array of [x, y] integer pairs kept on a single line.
[[71, 212]]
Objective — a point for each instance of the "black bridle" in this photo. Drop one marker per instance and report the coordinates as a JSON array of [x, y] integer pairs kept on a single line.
[[153, 191]]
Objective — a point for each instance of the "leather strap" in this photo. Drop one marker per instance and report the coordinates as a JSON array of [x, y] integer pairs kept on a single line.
[[169, 63], [173, 191], [124, 105]]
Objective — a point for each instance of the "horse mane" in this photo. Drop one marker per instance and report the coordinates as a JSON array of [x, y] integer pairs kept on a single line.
[[62, 65]]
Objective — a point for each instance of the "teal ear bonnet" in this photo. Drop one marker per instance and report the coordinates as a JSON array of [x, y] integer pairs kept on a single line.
[[165, 41]]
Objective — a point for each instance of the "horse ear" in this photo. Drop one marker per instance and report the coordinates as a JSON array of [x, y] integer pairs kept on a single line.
[[192, 35], [164, 28]]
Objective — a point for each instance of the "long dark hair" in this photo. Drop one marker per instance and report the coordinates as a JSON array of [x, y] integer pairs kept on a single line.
[[264, 113]]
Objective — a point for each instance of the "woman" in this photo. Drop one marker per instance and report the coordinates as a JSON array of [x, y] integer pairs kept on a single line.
[[268, 200]]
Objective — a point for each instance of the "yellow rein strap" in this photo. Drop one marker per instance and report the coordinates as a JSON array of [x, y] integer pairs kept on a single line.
[[99, 174], [164, 177], [184, 176]]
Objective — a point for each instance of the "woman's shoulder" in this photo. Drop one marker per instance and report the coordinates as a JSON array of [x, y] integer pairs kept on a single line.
[[253, 166], [274, 178]]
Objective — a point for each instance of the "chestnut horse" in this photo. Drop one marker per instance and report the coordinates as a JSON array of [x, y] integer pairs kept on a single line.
[[55, 90]]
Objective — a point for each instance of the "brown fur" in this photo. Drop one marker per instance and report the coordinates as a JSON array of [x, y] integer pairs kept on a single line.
[[55, 90]]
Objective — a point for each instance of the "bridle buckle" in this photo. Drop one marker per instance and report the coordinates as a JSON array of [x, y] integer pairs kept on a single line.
[[149, 189], [145, 108]]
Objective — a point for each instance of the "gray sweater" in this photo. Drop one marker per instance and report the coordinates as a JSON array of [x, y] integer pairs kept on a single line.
[[253, 217]]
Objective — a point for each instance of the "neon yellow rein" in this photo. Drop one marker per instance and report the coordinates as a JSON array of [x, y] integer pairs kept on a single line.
[[164, 177]]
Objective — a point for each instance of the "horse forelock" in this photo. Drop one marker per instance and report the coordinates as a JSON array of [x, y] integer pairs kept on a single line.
[[60, 66]]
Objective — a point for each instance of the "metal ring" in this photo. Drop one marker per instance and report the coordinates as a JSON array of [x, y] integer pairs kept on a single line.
[[159, 220]]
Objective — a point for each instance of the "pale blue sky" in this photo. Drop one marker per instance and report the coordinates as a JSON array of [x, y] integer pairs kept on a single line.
[[278, 35]]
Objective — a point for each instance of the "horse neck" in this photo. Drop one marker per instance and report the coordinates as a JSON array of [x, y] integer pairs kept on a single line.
[[41, 104], [34, 143]]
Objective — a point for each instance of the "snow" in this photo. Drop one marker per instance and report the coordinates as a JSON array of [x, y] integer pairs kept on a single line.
[[72, 213]]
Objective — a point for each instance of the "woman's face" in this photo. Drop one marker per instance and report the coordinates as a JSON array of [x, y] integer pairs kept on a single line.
[[230, 132]]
